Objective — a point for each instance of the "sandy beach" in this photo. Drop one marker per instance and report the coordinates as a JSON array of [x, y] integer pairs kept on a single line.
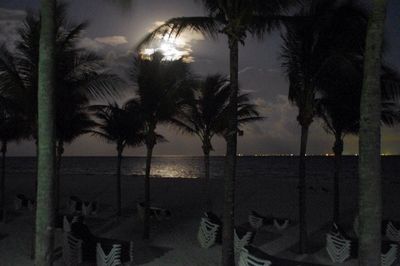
[[173, 241]]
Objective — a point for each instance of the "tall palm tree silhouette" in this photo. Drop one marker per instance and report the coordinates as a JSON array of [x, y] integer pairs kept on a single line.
[[206, 116], [122, 127], [13, 127], [162, 89]]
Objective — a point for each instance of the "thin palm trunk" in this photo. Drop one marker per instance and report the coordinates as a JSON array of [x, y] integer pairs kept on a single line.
[[60, 151], [3, 181], [303, 191], [337, 150], [228, 255], [206, 191], [118, 183], [146, 222], [46, 137], [370, 187]]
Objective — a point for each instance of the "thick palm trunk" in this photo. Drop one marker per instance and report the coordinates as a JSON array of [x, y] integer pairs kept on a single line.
[[337, 150], [303, 191], [206, 191], [146, 222], [370, 187], [118, 183], [228, 255], [60, 151], [46, 137], [3, 181]]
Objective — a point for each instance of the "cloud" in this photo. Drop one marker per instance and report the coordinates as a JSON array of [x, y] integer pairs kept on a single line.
[[10, 21], [102, 43], [112, 40]]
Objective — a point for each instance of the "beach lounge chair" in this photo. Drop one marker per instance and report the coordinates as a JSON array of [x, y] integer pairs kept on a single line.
[[67, 222], [256, 221], [86, 208], [113, 258], [71, 250], [208, 232], [392, 232], [89, 208], [242, 239], [22, 202], [155, 212], [338, 248], [247, 259]]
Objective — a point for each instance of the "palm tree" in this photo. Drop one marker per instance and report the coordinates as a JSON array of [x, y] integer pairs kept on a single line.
[[79, 74], [312, 50], [12, 128], [46, 135], [75, 69], [121, 126], [234, 19], [71, 123], [206, 116], [162, 88], [339, 108], [370, 187]]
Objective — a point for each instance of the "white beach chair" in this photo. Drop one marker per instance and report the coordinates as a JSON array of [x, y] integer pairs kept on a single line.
[[31, 205], [207, 234], [338, 248], [281, 226], [240, 243], [89, 208], [158, 213], [67, 224], [73, 203], [255, 221], [71, 250], [17, 203], [113, 258], [246, 259], [390, 257], [392, 232]]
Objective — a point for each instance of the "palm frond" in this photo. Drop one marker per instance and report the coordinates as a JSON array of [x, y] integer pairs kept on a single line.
[[175, 26]]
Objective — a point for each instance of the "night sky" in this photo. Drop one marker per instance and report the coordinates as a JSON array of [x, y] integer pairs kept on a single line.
[[114, 33]]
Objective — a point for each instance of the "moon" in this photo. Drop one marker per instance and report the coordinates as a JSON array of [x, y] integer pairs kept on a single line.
[[173, 48]]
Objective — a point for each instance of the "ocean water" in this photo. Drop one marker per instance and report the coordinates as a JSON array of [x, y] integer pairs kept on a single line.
[[192, 167]]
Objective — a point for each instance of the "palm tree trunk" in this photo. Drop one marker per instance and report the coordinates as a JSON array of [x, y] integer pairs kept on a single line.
[[3, 181], [337, 150], [228, 255], [60, 151], [303, 191], [46, 137], [370, 187], [118, 183], [146, 222], [206, 190]]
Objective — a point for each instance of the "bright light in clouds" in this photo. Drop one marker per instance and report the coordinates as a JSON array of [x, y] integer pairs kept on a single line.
[[173, 48]]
